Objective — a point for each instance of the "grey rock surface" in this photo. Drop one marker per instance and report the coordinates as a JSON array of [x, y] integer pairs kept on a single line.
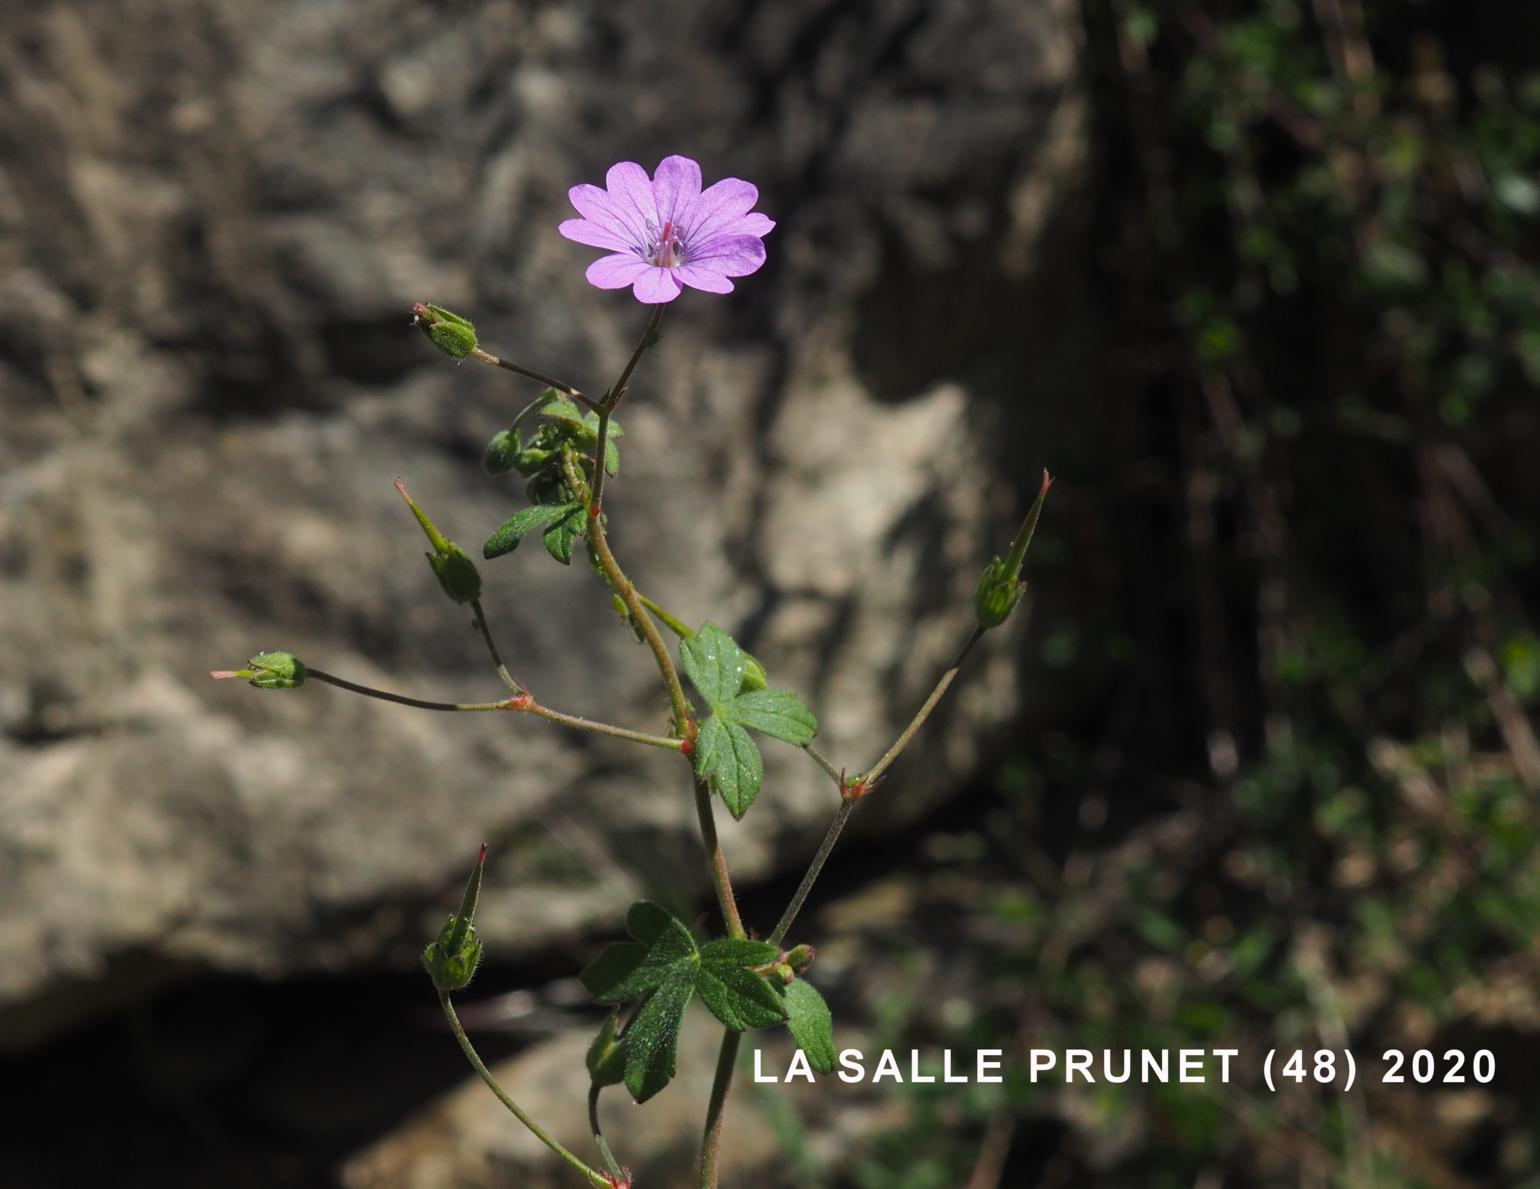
[[214, 219]]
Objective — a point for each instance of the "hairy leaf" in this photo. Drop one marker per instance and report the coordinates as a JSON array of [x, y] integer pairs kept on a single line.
[[652, 1038], [739, 997], [778, 713], [713, 663], [811, 1025], [518, 526], [563, 534], [728, 759]]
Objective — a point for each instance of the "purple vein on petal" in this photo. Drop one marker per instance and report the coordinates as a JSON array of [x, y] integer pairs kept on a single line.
[[630, 190]]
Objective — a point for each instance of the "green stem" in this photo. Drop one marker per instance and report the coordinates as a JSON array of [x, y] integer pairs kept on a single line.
[[716, 858], [862, 784], [874, 773], [597, 728], [481, 356], [823, 762], [636, 606], [677, 626], [599, 1140], [612, 398], [400, 699], [497, 661], [711, 1141], [594, 1176], [815, 868], [628, 594]]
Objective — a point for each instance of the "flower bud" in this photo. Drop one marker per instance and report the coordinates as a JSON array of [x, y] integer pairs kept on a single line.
[[450, 333], [753, 674], [502, 453], [1000, 586], [457, 574], [997, 595], [268, 670], [800, 957], [452, 959], [607, 1054]]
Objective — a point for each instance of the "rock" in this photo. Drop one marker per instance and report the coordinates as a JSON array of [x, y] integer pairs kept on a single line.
[[215, 219]]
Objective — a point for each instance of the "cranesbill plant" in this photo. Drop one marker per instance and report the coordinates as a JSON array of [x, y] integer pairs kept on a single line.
[[661, 233]]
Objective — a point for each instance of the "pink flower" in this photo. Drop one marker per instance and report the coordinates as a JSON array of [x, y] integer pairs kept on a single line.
[[665, 231]]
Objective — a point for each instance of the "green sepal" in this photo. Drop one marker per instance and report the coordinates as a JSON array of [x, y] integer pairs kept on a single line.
[[457, 574], [729, 760], [453, 335], [606, 1058], [502, 452], [754, 675], [1000, 587], [274, 670], [451, 960], [997, 594], [812, 1027]]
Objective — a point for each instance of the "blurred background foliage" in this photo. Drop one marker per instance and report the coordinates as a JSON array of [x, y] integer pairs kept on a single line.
[[1318, 222]]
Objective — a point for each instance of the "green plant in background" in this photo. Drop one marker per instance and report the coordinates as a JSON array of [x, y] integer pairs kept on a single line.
[[1323, 228], [661, 232]]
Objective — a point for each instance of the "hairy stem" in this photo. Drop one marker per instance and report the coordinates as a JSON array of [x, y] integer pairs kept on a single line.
[[598, 728], [627, 592], [815, 868], [874, 773], [711, 1141], [400, 699], [599, 1141], [823, 762], [716, 857], [594, 1177], [854, 790], [677, 626], [481, 356], [497, 661], [612, 398]]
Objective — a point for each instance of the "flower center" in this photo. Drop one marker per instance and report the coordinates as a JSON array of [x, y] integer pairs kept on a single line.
[[667, 250]]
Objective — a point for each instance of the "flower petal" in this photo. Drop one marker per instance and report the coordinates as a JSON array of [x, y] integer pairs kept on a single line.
[[704, 276], [617, 271], [584, 231], [730, 255], [752, 224], [655, 285], [675, 186], [598, 207], [631, 196], [718, 205]]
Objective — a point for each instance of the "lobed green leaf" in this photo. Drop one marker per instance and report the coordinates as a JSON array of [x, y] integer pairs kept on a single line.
[[728, 759], [713, 663], [652, 1038], [778, 713], [739, 997], [812, 1027]]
